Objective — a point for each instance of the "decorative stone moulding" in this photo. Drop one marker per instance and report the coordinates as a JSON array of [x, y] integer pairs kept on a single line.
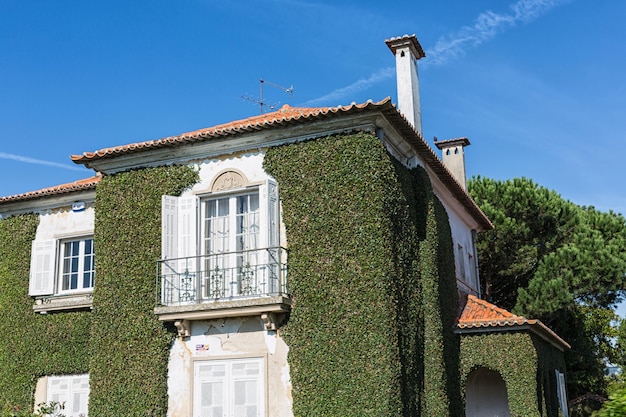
[[229, 180]]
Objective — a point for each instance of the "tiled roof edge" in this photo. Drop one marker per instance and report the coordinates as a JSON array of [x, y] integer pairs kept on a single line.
[[79, 185], [286, 115], [502, 319]]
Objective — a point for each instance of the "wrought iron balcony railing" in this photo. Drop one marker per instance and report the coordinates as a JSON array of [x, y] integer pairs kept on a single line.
[[221, 277]]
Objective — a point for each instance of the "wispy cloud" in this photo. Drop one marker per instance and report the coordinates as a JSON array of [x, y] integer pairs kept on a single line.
[[38, 161], [485, 27], [360, 85]]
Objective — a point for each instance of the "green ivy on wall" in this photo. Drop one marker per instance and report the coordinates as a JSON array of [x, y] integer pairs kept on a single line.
[[371, 271], [32, 345], [129, 346], [526, 364], [121, 344], [360, 229]]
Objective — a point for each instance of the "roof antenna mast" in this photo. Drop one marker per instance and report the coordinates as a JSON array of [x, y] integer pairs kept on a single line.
[[262, 104]]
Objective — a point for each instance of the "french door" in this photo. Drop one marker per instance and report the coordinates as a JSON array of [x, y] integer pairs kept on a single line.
[[231, 239]]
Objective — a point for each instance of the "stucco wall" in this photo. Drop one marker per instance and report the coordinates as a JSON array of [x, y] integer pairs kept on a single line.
[[229, 339], [63, 222]]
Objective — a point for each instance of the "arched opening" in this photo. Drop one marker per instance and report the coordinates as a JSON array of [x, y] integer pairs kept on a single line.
[[485, 394]]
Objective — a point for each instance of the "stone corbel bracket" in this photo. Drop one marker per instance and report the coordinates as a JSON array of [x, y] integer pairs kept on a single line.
[[183, 327], [271, 321]]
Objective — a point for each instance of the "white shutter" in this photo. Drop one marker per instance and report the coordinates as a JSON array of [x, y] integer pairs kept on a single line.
[[211, 393], [58, 389], [178, 223], [80, 396], [229, 388], [187, 232], [270, 279], [169, 224], [70, 390], [273, 214], [42, 263], [246, 389]]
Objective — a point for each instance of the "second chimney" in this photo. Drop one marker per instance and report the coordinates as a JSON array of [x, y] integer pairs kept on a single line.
[[453, 157], [408, 50]]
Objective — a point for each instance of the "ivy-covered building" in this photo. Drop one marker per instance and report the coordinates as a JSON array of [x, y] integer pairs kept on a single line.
[[304, 262]]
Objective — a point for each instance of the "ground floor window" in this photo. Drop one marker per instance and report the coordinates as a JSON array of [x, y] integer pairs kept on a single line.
[[72, 391], [232, 387]]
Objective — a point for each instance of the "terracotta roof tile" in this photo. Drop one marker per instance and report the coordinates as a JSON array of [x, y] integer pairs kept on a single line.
[[288, 116], [79, 185], [284, 115], [477, 314]]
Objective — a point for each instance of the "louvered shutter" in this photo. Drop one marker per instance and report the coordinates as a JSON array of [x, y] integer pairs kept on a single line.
[[72, 391], [246, 388], [169, 225], [187, 233], [80, 396], [273, 214], [42, 264], [58, 389], [211, 389], [169, 249], [271, 238], [229, 388]]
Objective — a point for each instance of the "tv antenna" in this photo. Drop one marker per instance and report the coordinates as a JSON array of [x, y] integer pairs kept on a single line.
[[262, 104]]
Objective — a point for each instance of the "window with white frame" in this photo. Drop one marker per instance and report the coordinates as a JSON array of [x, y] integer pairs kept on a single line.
[[221, 245], [71, 392], [62, 266], [561, 392], [231, 387]]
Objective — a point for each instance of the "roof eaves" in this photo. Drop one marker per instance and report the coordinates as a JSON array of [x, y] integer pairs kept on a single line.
[[284, 117], [480, 316], [79, 185], [428, 155]]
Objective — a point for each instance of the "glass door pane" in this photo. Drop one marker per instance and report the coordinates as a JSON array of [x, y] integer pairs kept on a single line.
[[247, 240], [217, 245]]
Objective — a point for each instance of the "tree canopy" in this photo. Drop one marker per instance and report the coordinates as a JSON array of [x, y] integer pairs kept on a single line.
[[551, 259]]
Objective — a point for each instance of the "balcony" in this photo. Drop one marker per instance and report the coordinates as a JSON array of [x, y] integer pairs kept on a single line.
[[228, 284]]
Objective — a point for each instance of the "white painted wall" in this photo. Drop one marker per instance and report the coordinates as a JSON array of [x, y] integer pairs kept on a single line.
[[251, 165], [63, 222], [232, 338]]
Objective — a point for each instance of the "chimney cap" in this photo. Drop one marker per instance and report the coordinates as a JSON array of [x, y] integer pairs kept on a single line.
[[447, 143], [404, 41]]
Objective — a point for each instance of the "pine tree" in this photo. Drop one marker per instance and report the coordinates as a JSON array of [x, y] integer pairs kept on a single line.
[[551, 259]]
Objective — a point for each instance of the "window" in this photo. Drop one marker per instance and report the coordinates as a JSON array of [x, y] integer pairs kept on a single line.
[[221, 245], [62, 266], [70, 390], [77, 265], [229, 388]]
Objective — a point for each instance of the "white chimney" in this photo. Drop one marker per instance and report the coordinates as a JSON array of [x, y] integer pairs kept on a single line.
[[408, 50], [453, 157]]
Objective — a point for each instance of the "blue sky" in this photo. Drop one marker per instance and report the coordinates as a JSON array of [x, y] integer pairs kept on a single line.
[[536, 85]]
